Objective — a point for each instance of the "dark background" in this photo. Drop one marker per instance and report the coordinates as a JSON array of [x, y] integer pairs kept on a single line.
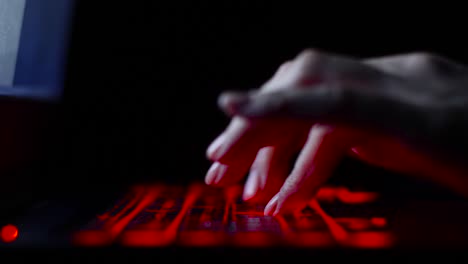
[[143, 77], [140, 101]]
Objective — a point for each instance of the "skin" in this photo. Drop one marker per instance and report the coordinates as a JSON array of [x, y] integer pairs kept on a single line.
[[407, 113]]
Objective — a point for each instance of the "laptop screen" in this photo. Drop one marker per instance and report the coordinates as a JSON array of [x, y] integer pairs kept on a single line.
[[11, 20], [33, 47]]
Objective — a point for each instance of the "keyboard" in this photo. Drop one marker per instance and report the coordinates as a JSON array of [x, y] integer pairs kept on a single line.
[[197, 215]]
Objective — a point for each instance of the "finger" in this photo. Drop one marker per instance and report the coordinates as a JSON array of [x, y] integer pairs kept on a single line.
[[233, 152], [286, 137], [259, 173], [213, 173], [270, 168], [321, 153], [223, 175], [233, 139]]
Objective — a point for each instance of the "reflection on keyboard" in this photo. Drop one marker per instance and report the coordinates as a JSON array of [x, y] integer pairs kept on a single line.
[[198, 215]]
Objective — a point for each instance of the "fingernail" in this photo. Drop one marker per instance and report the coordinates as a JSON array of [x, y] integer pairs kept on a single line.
[[214, 150], [250, 188], [212, 172], [270, 209], [232, 102], [220, 172]]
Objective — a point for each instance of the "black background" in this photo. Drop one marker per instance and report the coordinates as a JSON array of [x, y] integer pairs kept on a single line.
[[143, 76]]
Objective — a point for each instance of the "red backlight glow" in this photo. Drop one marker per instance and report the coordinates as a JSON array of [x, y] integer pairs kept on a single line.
[[370, 240], [207, 217], [379, 221]]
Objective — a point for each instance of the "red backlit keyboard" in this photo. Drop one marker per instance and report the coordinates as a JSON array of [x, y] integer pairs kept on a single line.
[[198, 215]]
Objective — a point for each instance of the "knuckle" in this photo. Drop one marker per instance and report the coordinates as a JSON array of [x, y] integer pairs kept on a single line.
[[309, 63], [430, 63], [310, 56], [284, 66], [422, 59]]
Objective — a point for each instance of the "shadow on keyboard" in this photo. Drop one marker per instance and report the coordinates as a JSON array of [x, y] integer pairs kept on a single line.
[[202, 216]]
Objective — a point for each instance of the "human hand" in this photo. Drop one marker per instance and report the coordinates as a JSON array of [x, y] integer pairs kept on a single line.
[[407, 113]]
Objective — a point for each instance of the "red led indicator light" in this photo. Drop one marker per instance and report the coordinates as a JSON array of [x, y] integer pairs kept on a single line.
[[9, 233]]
